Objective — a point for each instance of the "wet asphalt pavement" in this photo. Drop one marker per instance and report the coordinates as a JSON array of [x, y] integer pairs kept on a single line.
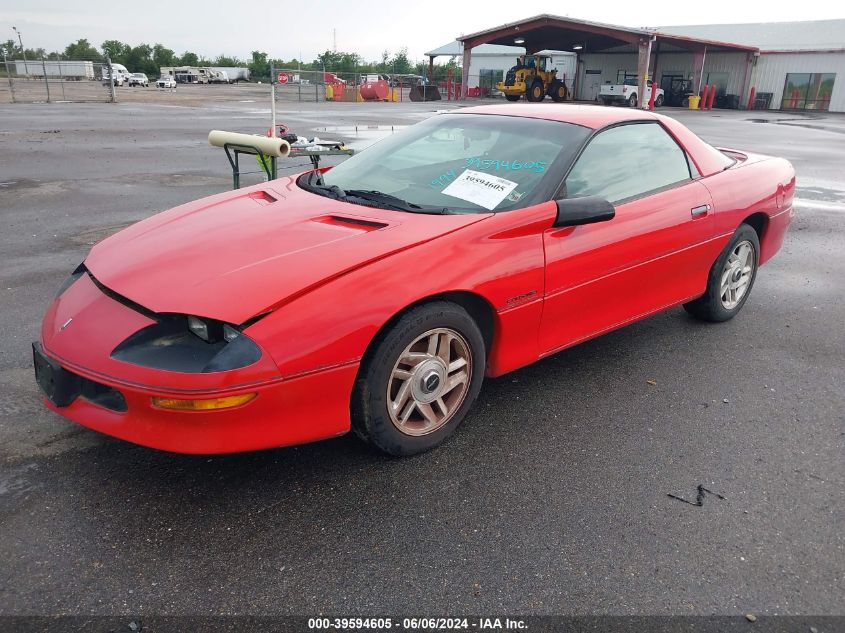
[[553, 497]]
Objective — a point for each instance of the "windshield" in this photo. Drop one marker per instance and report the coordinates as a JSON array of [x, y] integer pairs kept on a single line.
[[464, 163]]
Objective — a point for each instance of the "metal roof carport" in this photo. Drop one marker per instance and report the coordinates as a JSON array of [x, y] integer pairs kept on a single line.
[[545, 31]]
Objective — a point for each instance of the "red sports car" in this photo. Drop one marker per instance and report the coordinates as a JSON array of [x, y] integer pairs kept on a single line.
[[376, 295]]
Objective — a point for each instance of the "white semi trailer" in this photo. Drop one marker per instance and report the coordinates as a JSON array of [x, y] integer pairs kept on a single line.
[[55, 69], [233, 73]]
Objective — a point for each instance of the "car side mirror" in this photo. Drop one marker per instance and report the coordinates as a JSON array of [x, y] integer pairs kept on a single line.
[[587, 210]]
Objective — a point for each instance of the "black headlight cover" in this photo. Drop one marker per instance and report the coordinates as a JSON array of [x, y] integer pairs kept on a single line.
[[171, 346]]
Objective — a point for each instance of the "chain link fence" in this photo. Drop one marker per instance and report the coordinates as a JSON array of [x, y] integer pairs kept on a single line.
[[54, 81], [326, 85]]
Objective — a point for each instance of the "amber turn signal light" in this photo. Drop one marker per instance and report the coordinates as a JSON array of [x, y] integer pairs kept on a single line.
[[204, 404]]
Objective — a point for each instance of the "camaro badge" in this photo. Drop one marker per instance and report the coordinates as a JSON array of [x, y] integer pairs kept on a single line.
[[65, 324]]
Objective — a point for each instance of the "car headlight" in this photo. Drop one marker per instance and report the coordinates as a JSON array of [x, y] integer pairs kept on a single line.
[[188, 344]]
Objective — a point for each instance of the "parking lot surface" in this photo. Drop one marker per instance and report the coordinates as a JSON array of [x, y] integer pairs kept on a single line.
[[553, 497]]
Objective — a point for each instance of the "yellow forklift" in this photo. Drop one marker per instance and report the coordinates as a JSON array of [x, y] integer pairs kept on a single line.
[[533, 77]]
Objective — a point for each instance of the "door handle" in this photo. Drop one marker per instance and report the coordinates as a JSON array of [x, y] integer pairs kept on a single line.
[[700, 210]]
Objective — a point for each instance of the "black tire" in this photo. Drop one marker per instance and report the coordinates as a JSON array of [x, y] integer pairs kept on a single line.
[[371, 419], [658, 103], [535, 92], [709, 307], [557, 91], [632, 101], [513, 97]]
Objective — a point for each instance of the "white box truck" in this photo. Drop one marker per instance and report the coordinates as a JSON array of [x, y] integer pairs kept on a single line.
[[121, 74]]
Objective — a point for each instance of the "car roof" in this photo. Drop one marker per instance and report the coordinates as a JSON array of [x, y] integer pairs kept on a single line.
[[591, 116]]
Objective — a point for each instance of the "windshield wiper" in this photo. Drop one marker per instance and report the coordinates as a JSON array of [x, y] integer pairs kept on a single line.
[[314, 182], [391, 201]]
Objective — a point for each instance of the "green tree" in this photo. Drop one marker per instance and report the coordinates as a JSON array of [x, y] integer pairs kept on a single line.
[[225, 60], [82, 50], [259, 67], [140, 59], [188, 59], [12, 50], [400, 63], [163, 57], [115, 50]]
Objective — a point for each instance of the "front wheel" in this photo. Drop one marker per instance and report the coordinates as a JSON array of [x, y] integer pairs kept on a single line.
[[558, 91], [731, 278], [658, 103], [536, 93], [420, 381]]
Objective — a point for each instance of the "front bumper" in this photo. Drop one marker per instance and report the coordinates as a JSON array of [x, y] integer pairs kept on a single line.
[[285, 412], [518, 88], [75, 367]]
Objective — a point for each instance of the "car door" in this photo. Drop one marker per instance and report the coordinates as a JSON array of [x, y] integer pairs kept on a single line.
[[655, 252]]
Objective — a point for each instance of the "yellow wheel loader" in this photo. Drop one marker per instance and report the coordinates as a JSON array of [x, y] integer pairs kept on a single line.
[[531, 78]]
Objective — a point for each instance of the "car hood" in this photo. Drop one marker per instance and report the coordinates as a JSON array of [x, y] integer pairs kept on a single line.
[[238, 254]]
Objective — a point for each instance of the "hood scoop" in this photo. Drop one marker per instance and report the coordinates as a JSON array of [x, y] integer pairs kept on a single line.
[[261, 197], [351, 222]]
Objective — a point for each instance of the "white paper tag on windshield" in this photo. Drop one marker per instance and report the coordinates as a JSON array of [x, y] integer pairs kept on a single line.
[[479, 188]]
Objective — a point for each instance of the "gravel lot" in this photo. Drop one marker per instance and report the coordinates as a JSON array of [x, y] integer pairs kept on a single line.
[[552, 498]]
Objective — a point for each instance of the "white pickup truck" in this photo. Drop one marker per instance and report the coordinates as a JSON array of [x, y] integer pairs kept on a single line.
[[627, 93]]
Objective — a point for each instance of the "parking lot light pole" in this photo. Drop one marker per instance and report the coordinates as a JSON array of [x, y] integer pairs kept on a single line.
[[23, 51]]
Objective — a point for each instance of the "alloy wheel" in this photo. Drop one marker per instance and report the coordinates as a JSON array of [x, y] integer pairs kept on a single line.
[[737, 274], [429, 382]]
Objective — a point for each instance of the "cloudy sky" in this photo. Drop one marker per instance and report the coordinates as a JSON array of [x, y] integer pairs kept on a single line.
[[288, 30]]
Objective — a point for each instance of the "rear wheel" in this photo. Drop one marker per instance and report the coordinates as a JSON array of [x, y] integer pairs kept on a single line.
[[558, 91], [512, 97], [731, 278], [632, 101], [417, 386], [535, 92], [659, 101]]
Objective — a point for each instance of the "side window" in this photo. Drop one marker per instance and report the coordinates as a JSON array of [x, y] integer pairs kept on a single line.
[[627, 161]]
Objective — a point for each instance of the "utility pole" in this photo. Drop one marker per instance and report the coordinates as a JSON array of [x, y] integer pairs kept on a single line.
[[23, 51], [334, 39]]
